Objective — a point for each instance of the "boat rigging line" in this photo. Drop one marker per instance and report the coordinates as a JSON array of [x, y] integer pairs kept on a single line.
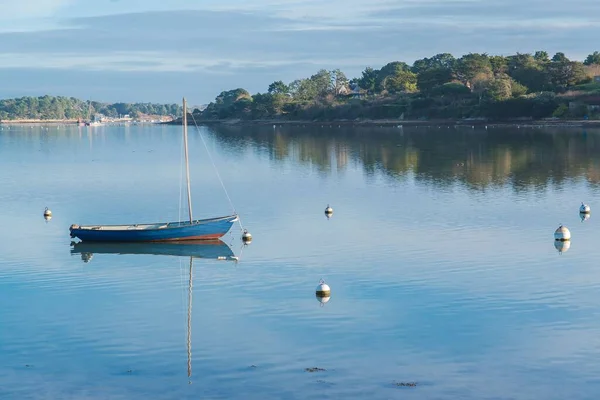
[[216, 171]]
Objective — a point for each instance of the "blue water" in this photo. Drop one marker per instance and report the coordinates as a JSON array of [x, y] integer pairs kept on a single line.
[[440, 256]]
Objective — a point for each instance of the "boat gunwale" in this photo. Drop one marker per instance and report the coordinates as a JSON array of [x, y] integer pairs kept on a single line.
[[159, 225]]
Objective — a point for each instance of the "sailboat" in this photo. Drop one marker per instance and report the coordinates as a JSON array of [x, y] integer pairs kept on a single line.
[[200, 229]]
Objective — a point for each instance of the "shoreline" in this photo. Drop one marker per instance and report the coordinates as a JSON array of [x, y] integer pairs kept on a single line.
[[38, 121], [572, 123], [28, 122], [399, 123]]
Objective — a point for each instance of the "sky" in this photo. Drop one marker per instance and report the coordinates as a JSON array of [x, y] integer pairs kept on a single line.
[[162, 50]]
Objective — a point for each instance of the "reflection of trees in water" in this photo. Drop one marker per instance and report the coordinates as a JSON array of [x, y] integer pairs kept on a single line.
[[526, 158]]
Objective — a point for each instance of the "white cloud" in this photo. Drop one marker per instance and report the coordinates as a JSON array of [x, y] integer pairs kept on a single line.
[[157, 62], [30, 9], [333, 10]]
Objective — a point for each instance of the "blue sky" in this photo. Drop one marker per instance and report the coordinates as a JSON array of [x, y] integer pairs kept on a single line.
[[149, 50]]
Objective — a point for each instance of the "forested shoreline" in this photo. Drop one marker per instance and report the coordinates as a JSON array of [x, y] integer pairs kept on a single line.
[[474, 86], [442, 87], [70, 108]]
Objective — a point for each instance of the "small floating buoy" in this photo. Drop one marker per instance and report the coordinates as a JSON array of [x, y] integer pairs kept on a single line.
[[562, 246], [585, 209], [323, 289], [328, 210], [47, 213], [246, 236], [562, 234]]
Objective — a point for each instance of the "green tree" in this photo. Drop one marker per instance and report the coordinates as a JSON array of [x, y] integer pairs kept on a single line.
[[279, 102], [262, 106], [322, 82], [429, 79], [560, 57], [500, 88], [524, 69], [471, 65], [541, 57], [234, 103], [566, 73], [442, 60], [481, 83], [518, 89], [593, 58], [499, 64], [368, 81], [229, 97], [401, 81], [279, 87], [397, 72], [304, 90]]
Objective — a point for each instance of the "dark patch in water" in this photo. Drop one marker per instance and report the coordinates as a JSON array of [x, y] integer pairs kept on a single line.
[[405, 384], [322, 382], [314, 369]]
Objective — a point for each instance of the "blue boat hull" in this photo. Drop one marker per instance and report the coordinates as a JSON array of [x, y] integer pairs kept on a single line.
[[206, 229]]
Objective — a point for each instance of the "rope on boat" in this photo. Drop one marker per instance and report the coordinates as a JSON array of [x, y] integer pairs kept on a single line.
[[217, 172]]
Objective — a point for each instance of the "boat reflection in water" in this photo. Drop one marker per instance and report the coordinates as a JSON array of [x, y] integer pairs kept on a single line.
[[193, 249], [215, 249]]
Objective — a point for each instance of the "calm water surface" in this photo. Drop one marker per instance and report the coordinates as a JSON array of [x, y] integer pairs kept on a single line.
[[440, 256]]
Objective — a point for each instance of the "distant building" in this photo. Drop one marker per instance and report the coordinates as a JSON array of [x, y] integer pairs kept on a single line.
[[355, 91], [99, 117], [343, 90]]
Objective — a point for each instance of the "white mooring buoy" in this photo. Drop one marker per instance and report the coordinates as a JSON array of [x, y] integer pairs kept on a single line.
[[246, 236], [585, 209], [562, 234], [323, 289], [328, 210], [47, 213]]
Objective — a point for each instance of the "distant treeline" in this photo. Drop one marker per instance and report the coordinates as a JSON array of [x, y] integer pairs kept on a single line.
[[50, 107], [472, 86]]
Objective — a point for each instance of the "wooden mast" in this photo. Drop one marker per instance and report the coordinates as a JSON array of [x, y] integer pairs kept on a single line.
[[189, 325], [187, 161]]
